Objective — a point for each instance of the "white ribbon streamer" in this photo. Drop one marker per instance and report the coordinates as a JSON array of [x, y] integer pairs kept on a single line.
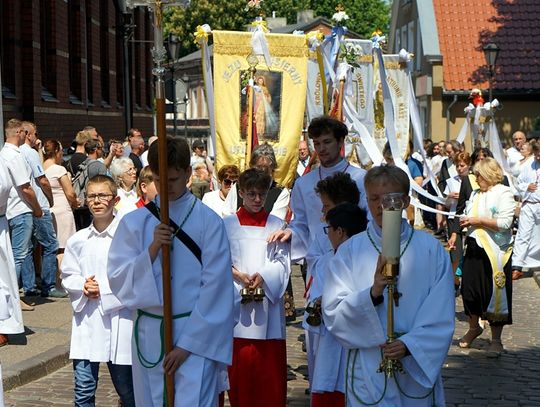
[[260, 45], [209, 86]]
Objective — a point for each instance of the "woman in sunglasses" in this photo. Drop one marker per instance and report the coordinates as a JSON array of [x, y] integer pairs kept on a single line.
[[215, 200]]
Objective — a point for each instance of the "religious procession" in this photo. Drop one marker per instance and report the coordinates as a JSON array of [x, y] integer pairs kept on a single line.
[[324, 207]]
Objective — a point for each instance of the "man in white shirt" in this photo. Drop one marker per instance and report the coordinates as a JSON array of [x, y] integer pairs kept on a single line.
[[22, 202], [526, 252], [43, 229], [514, 153]]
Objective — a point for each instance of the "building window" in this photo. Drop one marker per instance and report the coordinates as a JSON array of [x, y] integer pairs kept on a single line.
[[148, 77], [104, 51], [119, 44], [74, 49], [137, 54], [89, 59], [47, 51], [6, 50]]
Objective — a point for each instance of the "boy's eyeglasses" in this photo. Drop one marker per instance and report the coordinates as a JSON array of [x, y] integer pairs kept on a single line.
[[100, 197], [253, 195], [228, 182], [325, 228]]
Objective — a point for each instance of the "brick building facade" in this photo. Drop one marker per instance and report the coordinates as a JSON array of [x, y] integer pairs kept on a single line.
[[63, 67]]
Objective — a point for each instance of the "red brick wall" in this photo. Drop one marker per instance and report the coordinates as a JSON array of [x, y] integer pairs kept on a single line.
[[61, 117]]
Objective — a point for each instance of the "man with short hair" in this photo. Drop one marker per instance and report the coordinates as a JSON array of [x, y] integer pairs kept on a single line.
[[79, 155], [133, 132], [328, 135], [91, 166], [514, 153], [304, 157], [137, 148], [355, 306], [22, 202], [43, 227]]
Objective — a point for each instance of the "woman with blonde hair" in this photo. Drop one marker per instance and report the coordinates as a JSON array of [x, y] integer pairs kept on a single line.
[[487, 280]]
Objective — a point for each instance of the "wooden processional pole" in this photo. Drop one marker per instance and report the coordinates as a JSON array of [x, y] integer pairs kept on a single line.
[[158, 53]]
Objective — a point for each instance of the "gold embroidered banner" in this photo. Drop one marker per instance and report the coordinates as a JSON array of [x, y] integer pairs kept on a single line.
[[279, 98]]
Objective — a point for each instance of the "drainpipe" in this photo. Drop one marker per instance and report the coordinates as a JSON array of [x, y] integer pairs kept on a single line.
[[448, 117]]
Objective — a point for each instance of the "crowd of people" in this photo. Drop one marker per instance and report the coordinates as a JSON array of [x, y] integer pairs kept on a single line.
[[233, 237]]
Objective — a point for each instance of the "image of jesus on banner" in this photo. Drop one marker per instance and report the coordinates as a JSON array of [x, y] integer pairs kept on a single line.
[[266, 106]]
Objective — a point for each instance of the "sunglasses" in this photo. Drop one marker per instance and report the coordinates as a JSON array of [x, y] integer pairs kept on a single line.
[[228, 182]]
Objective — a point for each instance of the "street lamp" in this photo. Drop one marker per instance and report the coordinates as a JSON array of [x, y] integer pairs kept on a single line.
[[491, 52], [172, 46], [185, 79]]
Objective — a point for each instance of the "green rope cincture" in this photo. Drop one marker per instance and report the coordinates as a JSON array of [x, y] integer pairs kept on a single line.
[[364, 403], [140, 313]]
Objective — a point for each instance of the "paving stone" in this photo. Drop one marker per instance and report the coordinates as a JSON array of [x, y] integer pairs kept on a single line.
[[471, 379]]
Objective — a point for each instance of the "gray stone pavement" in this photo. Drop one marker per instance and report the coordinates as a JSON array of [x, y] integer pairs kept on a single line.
[[471, 378]]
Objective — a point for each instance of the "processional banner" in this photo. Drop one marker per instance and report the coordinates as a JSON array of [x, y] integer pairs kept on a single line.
[[398, 83], [315, 94], [279, 98], [361, 98]]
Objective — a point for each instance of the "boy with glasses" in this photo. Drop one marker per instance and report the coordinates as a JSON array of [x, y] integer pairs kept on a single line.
[[328, 382], [258, 375], [101, 329]]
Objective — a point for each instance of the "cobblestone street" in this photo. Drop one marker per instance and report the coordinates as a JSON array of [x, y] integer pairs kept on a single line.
[[471, 378]]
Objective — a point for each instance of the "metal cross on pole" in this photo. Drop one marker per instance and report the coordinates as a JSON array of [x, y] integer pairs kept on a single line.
[[158, 55]]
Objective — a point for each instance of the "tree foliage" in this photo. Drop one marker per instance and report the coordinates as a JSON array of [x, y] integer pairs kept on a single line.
[[365, 15]]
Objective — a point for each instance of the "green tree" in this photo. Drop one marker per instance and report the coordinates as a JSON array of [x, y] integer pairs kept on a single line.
[[365, 15], [220, 15]]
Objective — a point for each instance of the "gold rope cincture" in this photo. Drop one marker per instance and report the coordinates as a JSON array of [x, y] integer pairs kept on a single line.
[[498, 305]]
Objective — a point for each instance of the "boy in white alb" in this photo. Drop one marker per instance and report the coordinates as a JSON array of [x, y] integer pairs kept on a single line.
[[333, 190], [258, 375], [354, 307], [101, 328], [328, 372], [201, 286]]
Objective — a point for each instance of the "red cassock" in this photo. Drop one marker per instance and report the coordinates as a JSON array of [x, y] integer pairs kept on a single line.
[[258, 374], [328, 399]]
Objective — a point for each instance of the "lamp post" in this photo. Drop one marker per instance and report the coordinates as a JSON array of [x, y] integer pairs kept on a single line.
[[172, 46], [185, 80], [491, 52]]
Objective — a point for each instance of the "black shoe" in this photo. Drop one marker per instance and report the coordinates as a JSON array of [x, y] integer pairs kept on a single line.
[[440, 232], [31, 293]]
